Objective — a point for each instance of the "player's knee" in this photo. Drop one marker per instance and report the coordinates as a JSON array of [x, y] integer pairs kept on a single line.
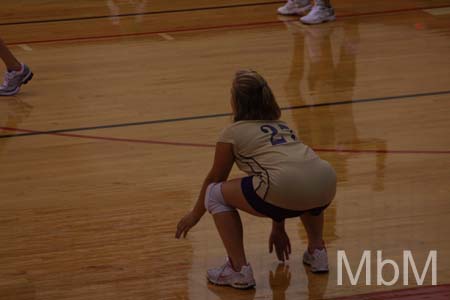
[[214, 201]]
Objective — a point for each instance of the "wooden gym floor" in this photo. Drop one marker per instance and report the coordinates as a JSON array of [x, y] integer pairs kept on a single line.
[[106, 148]]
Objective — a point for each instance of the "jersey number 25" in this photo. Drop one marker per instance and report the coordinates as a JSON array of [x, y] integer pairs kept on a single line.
[[277, 137]]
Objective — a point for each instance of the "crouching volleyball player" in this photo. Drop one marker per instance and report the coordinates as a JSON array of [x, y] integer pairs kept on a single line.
[[285, 179]]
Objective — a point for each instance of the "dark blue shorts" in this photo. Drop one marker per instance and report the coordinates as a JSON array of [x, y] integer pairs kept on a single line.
[[276, 213]]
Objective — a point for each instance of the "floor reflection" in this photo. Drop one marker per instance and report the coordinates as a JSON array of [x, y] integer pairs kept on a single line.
[[114, 8], [228, 293], [12, 113], [317, 284], [279, 281], [324, 69]]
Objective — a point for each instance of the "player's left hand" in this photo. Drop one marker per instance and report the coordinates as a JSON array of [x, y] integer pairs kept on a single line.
[[185, 224], [280, 240]]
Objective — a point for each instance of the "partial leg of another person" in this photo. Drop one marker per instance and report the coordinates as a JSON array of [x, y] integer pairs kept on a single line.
[[320, 13], [16, 73], [10, 61]]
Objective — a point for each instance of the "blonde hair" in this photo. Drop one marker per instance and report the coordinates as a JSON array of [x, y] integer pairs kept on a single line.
[[252, 97]]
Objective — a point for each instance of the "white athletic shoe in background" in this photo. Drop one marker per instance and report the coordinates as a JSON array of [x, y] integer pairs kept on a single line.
[[225, 275], [318, 260], [319, 14], [295, 7]]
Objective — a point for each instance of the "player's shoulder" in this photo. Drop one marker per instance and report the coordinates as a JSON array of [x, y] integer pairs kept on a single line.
[[248, 125], [241, 124], [254, 123]]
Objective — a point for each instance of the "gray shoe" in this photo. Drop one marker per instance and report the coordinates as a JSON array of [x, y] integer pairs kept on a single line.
[[13, 81], [295, 7], [318, 260], [319, 14]]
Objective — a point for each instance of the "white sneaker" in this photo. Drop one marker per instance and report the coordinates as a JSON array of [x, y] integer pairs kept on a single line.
[[225, 275], [318, 260], [295, 7], [319, 14]]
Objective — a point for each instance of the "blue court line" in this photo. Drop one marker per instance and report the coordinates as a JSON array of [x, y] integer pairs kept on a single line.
[[220, 115]]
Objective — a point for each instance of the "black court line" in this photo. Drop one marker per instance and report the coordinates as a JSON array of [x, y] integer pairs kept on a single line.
[[172, 120], [142, 13]]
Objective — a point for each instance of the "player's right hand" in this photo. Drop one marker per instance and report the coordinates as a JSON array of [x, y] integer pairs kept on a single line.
[[185, 224]]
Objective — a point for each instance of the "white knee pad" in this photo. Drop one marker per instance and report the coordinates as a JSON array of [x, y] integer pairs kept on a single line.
[[214, 201]]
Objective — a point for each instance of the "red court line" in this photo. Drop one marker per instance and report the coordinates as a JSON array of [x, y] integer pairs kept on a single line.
[[393, 11], [226, 26], [437, 292], [112, 36], [384, 151], [199, 145]]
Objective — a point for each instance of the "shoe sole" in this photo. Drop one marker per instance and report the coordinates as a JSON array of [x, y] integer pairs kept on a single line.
[[11, 93], [240, 287]]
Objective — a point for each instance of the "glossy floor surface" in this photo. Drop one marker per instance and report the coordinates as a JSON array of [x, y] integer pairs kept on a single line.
[[106, 148]]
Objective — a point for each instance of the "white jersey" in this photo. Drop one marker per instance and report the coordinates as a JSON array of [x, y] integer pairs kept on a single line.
[[287, 173]]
